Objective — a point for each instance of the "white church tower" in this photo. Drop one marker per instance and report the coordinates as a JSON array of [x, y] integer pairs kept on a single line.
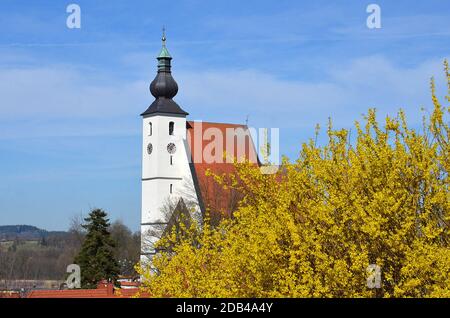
[[165, 155]]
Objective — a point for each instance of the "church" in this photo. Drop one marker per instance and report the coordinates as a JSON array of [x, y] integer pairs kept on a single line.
[[178, 156]]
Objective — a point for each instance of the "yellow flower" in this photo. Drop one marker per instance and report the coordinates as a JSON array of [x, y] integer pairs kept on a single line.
[[313, 229]]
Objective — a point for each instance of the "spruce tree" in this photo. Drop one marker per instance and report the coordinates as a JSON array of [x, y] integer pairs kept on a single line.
[[96, 257]]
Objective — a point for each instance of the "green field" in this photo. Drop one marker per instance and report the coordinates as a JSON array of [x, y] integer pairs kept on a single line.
[[5, 245]]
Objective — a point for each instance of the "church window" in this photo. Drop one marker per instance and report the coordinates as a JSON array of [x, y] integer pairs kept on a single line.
[[171, 127], [150, 129], [171, 160], [171, 188]]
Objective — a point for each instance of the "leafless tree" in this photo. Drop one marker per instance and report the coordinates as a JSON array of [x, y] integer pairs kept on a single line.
[[189, 196]]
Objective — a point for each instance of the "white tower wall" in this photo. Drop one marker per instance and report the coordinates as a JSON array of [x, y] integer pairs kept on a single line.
[[162, 178]]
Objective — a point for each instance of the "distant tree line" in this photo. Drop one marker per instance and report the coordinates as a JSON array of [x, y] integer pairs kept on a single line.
[[47, 258]]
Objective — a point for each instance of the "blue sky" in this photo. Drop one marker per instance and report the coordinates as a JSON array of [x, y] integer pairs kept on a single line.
[[70, 99]]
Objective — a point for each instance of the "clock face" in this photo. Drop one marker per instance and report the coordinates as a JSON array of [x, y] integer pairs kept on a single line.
[[171, 148], [149, 148]]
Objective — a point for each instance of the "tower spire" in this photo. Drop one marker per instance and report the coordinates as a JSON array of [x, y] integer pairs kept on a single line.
[[164, 87], [164, 52]]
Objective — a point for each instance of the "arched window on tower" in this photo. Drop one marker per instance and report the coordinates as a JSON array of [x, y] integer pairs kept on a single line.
[[150, 129], [171, 128], [171, 189]]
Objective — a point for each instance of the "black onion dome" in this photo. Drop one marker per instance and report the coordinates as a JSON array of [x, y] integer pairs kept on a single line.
[[164, 87]]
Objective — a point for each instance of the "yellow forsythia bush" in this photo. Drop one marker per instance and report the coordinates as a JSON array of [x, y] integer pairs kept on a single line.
[[312, 229]]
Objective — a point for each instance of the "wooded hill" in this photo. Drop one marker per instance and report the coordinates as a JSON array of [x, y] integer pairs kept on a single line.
[[26, 232]]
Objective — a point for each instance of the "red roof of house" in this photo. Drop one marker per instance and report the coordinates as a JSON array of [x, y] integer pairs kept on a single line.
[[219, 201], [104, 290], [70, 293], [129, 284]]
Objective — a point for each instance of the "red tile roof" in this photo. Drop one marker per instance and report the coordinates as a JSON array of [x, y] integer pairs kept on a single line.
[[70, 293], [104, 290], [219, 201], [129, 284]]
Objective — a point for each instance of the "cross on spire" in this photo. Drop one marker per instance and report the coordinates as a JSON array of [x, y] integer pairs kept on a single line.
[[163, 36], [164, 52]]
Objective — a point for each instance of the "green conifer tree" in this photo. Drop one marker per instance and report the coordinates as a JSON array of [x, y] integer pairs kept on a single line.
[[96, 257]]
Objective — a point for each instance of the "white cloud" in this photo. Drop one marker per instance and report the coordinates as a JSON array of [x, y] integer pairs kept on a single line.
[[51, 92], [345, 92], [96, 103]]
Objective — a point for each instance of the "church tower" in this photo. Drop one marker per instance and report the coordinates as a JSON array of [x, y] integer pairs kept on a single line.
[[165, 156]]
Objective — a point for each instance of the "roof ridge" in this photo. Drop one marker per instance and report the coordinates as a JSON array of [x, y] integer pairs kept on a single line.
[[214, 122]]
